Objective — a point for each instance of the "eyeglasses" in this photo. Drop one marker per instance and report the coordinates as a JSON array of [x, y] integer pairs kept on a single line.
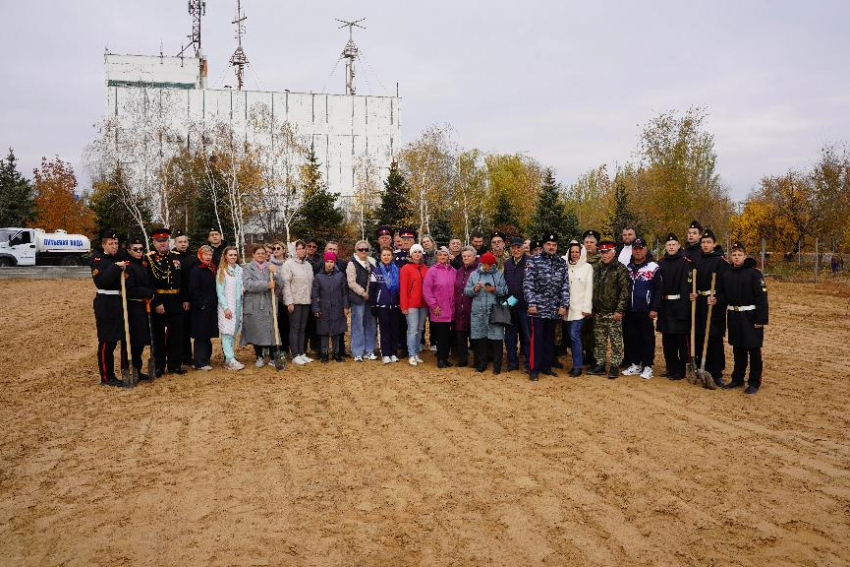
[[278, 248], [362, 249], [136, 249]]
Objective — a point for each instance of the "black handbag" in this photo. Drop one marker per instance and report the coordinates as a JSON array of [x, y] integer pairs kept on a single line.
[[500, 314]]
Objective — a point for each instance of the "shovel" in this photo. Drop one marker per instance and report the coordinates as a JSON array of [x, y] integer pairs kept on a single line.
[[279, 358], [690, 368], [126, 375], [703, 375], [151, 357]]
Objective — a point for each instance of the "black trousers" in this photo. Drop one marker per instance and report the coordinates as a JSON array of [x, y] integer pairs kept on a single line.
[[743, 355], [462, 346], [441, 335], [339, 344], [258, 350], [588, 342], [402, 333], [312, 338], [638, 339], [203, 352], [168, 335], [542, 344], [675, 352], [715, 358], [187, 338], [485, 348], [388, 322], [106, 359], [283, 325], [136, 352]]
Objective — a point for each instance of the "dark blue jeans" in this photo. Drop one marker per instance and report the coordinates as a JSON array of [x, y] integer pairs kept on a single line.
[[517, 334], [575, 342]]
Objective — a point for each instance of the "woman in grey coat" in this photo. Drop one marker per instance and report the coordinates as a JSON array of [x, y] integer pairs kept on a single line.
[[486, 286], [330, 306], [261, 281]]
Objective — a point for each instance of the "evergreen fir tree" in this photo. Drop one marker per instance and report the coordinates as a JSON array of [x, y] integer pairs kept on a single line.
[[622, 215], [505, 218], [551, 214], [17, 195], [441, 229], [395, 209], [319, 216]]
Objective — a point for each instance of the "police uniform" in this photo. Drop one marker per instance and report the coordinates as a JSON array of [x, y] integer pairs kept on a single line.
[[108, 311], [187, 262], [713, 262], [166, 274], [139, 292], [671, 301], [746, 307]]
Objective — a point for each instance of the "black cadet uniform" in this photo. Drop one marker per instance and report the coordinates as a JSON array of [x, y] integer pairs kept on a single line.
[[694, 251], [746, 298], [166, 273], [671, 300], [187, 261], [108, 311], [711, 263], [139, 292]]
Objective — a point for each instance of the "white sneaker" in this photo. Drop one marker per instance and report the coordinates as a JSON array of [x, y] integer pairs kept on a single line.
[[299, 360], [358, 359], [433, 348], [306, 358], [412, 361], [206, 368], [632, 370], [386, 360], [260, 362], [234, 365], [419, 360], [371, 356], [393, 358], [647, 373]]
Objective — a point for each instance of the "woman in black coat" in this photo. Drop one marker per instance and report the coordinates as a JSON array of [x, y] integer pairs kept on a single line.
[[204, 307], [139, 291]]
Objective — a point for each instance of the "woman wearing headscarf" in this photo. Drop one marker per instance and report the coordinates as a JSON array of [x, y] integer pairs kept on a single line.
[[486, 286], [204, 299], [330, 306], [297, 290], [261, 283], [581, 301], [384, 300], [438, 291], [358, 272], [228, 287]]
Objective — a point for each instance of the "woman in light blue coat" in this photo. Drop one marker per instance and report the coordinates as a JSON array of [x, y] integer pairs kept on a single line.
[[486, 286], [228, 287]]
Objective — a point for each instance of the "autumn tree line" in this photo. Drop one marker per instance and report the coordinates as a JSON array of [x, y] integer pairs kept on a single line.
[[144, 173]]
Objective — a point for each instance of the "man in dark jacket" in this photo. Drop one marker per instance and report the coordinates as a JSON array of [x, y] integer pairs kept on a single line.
[[611, 285], [139, 292], [693, 250], [518, 332], [747, 310], [712, 261], [216, 243], [638, 331], [671, 306], [547, 291], [188, 262]]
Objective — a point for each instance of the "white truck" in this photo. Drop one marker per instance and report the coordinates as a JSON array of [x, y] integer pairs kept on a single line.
[[34, 247]]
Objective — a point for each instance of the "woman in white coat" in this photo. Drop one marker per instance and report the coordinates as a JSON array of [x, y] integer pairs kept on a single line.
[[581, 301]]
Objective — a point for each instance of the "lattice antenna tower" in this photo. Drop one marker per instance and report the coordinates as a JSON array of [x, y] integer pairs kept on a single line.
[[197, 8], [350, 53], [239, 60]]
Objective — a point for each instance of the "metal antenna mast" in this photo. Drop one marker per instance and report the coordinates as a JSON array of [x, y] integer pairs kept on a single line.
[[239, 59], [350, 53], [197, 8]]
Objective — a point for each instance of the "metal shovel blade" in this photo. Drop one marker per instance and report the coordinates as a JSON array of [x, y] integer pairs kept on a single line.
[[279, 361], [706, 379], [691, 373]]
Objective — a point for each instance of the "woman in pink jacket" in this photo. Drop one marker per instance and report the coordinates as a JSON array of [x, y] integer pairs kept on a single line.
[[438, 290]]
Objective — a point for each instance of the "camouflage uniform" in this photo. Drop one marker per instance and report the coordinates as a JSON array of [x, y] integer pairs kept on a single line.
[[611, 286]]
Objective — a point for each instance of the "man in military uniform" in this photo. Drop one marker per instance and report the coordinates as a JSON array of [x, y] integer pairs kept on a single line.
[[747, 309], [106, 271], [611, 286], [712, 261], [169, 303], [589, 239], [139, 292], [693, 250], [671, 306], [216, 243], [187, 263], [497, 248]]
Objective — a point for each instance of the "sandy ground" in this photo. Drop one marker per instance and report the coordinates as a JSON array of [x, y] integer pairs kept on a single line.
[[365, 464]]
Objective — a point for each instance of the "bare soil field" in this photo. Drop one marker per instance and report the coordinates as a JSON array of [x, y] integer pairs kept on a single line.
[[365, 464]]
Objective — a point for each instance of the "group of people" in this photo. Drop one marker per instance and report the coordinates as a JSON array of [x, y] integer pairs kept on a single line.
[[502, 300]]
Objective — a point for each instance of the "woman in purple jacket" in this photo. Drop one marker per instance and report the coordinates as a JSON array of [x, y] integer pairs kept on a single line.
[[438, 289], [463, 305]]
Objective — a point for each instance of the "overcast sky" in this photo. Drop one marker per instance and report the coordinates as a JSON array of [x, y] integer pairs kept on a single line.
[[569, 83]]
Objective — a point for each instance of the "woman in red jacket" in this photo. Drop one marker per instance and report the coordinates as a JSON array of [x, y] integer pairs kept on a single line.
[[413, 305]]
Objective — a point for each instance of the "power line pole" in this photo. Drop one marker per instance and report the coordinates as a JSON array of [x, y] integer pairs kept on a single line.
[[350, 53]]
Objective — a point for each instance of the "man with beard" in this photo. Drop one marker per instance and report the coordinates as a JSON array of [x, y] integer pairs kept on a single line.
[[170, 302], [671, 306], [747, 310], [712, 261]]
